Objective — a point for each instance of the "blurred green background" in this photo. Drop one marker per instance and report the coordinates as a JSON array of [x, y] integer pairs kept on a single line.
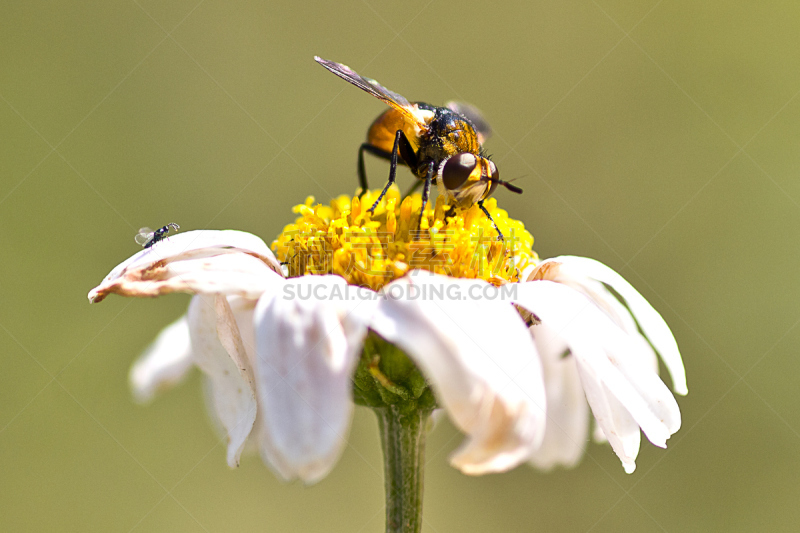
[[660, 137]]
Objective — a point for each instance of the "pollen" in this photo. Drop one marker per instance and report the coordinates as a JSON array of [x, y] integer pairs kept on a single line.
[[372, 249]]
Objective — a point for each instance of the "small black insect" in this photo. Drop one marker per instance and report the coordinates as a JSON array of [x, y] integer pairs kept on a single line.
[[147, 237]]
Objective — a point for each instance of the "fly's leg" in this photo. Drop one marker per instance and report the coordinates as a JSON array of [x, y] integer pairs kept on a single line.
[[401, 146], [426, 189], [392, 169], [486, 212], [362, 172]]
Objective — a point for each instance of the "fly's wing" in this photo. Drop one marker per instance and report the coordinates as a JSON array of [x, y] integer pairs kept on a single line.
[[474, 115], [409, 111], [144, 235]]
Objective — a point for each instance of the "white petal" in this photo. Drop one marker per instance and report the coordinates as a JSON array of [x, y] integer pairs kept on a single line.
[[612, 418], [218, 351], [194, 261], [307, 349], [553, 270], [481, 361], [607, 352], [243, 310], [529, 271], [651, 322], [597, 432], [567, 427], [164, 363]]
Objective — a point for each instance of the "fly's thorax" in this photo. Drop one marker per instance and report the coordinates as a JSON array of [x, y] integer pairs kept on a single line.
[[448, 134]]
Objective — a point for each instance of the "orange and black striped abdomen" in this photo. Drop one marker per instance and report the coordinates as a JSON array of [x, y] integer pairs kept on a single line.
[[382, 132]]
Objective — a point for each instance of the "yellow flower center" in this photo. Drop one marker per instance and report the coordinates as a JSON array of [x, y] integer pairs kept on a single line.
[[370, 250]]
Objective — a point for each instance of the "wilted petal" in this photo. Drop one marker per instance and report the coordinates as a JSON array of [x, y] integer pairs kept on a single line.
[[607, 355], [164, 363], [197, 244], [481, 361], [218, 351], [239, 274], [209, 262], [307, 349], [651, 322], [567, 426]]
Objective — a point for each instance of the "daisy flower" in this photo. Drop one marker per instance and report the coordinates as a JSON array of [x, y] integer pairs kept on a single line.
[[351, 306]]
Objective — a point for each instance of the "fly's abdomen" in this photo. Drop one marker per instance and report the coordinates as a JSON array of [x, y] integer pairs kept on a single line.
[[382, 132]]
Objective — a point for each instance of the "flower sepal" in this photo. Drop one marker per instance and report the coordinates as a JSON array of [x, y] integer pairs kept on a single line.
[[386, 376]]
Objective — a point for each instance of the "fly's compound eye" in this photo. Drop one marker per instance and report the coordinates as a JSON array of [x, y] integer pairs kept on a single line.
[[494, 178], [457, 170]]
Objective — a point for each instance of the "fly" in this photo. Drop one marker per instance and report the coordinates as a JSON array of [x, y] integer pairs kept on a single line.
[[147, 237], [439, 144]]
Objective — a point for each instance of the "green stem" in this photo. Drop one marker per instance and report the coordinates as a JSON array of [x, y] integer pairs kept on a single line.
[[403, 442]]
